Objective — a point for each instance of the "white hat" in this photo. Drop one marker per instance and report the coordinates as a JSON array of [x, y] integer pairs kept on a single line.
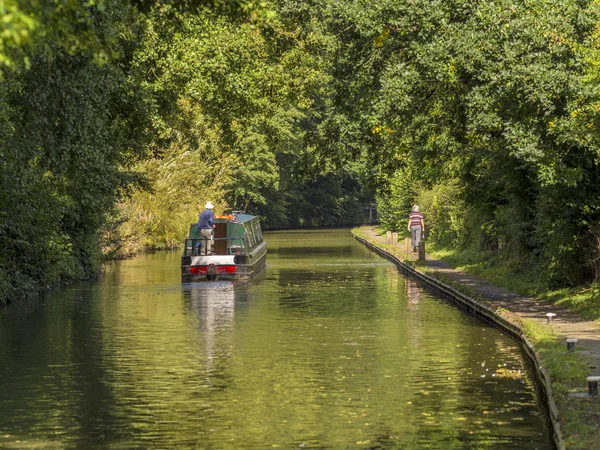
[[415, 207], [209, 205]]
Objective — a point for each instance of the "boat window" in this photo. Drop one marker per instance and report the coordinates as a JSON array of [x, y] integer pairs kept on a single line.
[[258, 231], [250, 236], [255, 230]]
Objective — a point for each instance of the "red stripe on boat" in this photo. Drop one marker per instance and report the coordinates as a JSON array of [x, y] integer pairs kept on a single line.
[[225, 269]]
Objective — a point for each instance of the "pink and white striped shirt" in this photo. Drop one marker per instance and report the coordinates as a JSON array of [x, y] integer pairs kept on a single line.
[[415, 218]]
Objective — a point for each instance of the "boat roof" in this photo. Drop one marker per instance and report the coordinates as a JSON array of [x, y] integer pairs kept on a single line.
[[240, 217], [235, 217]]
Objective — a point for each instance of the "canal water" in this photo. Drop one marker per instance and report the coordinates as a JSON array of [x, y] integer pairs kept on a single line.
[[330, 348]]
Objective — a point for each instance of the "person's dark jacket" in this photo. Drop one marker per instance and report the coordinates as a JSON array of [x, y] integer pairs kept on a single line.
[[206, 220]]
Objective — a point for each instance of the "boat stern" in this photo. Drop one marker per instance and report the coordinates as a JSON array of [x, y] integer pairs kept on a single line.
[[200, 268]]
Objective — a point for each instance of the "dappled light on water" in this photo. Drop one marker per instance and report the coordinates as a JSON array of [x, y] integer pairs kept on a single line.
[[330, 347]]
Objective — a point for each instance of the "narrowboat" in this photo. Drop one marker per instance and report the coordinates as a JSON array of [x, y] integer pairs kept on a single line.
[[239, 251]]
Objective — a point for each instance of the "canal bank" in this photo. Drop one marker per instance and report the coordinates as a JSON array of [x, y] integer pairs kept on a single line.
[[562, 374]]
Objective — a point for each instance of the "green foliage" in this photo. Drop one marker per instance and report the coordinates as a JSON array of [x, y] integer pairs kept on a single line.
[[156, 108], [445, 215], [485, 114], [328, 200], [74, 27], [181, 181], [497, 100], [239, 101], [395, 203], [89, 27], [70, 129]]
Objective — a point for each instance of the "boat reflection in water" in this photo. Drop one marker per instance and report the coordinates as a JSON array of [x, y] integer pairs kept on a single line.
[[213, 306]]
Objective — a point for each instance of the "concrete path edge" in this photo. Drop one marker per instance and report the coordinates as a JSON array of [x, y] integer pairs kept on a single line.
[[487, 314]]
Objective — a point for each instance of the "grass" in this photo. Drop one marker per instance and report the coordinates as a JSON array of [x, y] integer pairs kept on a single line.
[[584, 300], [580, 415], [488, 266]]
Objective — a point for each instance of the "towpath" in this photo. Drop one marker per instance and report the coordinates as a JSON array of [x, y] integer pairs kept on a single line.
[[566, 323]]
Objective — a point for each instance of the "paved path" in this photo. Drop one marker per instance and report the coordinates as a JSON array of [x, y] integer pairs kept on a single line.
[[567, 324]]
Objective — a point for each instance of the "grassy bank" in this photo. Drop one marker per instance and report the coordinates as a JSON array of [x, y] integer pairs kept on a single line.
[[580, 415], [585, 300]]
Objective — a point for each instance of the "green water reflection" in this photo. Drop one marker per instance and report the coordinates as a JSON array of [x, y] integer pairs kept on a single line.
[[329, 348]]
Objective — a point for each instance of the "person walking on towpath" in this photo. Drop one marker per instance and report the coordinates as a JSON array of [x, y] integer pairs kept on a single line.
[[416, 226], [206, 224]]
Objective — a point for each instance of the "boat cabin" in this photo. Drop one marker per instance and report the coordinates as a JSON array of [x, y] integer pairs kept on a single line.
[[239, 250], [232, 234]]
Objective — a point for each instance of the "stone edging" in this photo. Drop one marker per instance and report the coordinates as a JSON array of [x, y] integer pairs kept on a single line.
[[485, 313]]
